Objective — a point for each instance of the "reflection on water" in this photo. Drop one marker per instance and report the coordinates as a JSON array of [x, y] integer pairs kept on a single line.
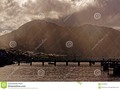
[[61, 72]]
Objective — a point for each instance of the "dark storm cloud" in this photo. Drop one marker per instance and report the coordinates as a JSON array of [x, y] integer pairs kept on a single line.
[[109, 11], [14, 13]]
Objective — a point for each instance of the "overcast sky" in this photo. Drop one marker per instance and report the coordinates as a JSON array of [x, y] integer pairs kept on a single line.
[[14, 13]]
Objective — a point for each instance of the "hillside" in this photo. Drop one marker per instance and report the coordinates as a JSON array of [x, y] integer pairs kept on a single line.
[[47, 37]]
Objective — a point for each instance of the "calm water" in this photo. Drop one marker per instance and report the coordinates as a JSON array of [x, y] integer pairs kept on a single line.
[[61, 72]]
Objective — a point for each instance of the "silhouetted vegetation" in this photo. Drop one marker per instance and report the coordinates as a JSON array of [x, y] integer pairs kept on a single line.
[[5, 58], [12, 56]]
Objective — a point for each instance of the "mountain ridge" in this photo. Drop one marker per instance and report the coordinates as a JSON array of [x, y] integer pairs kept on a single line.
[[88, 40]]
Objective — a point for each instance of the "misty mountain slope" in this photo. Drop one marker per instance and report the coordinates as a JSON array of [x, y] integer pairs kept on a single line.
[[88, 40]]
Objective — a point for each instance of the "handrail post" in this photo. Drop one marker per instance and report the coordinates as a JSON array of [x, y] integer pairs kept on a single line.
[[43, 63], [66, 63], [78, 63]]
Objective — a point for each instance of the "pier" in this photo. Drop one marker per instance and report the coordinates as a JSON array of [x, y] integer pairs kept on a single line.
[[107, 65]]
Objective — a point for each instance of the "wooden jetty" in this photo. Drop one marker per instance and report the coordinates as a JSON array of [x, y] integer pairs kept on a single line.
[[106, 64], [103, 62]]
